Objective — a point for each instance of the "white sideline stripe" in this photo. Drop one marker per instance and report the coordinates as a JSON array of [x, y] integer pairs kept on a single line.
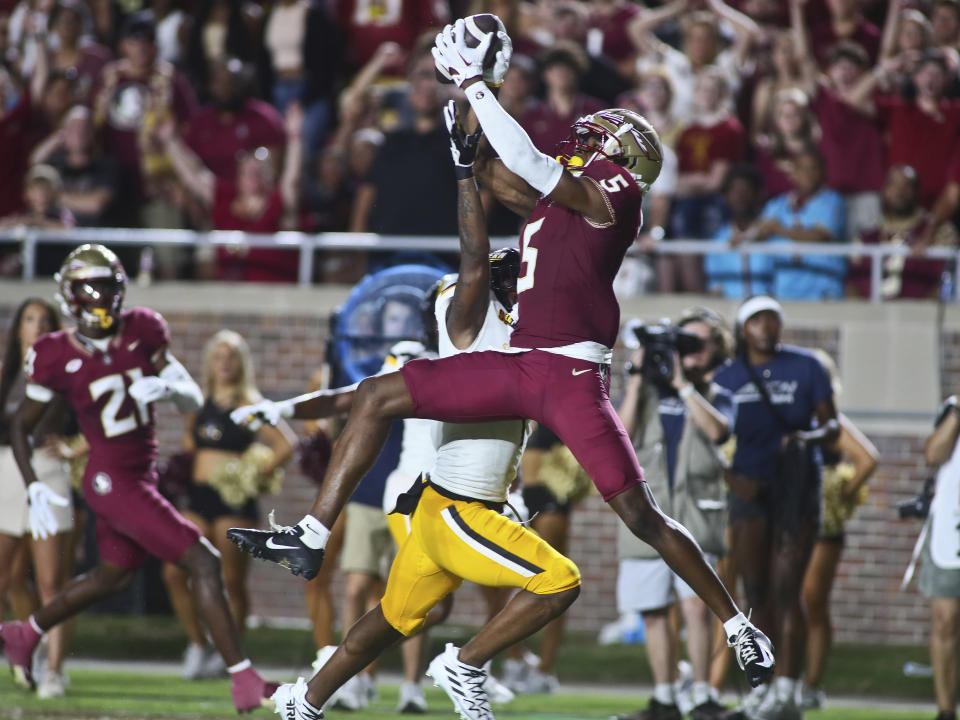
[[483, 550]]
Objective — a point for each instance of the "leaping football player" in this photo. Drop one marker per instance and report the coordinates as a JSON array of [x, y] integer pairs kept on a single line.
[[111, 369], [584, 214]]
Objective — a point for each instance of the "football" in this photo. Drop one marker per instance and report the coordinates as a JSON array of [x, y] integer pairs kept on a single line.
[[477, 26]]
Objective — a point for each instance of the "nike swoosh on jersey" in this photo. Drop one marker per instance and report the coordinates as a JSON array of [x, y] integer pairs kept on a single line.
[[580, 372], [274, 546]]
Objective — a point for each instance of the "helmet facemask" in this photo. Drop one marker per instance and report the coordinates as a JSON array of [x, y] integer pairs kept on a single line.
[[504, 271], [620, 136], [92, 285]]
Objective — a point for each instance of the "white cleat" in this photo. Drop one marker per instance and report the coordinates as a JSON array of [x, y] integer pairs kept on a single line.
[[411, 699], [290, 702], [498, 693], [462, 683], [52, 685]]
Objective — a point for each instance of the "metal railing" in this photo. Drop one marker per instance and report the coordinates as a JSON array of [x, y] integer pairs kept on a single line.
[[308, 244]]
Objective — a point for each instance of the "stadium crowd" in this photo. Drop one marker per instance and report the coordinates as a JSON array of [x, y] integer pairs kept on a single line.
[[821, 121]]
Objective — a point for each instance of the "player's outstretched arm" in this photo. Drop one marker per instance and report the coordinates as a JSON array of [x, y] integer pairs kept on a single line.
[[517, 152], [471, 295], [310, 406], [172, 382]]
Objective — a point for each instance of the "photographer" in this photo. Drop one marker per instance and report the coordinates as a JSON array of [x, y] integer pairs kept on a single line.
[[940, 573], [676, 417], [774, 500]]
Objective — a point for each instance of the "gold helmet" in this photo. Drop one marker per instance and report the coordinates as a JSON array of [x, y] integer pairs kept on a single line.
[[625, 137], [91, 285]]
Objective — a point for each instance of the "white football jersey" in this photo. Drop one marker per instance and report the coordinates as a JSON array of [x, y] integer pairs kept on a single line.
[[478, 460], [420, 437]]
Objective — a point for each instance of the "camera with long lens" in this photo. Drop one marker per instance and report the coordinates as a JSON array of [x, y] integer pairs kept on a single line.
[[661, 342], [918, 507]]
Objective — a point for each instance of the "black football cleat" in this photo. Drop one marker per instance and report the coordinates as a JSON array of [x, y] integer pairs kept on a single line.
[[281, 545], [754, 654]]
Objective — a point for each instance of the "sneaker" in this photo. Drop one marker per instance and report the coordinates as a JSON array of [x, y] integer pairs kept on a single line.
[[193, 658], [462, 683], [18, 640], [539, 683], [411, 699], [350, 696], [52, 686], [279, 544], [709, 710], [655, 710], [515, 674], [498, 693], [250, 691], [774, 708], [40, 665], [810, 698], [749, 707], [213, 665], [754, 653], [290, 702], [368, 684], [323, 654]]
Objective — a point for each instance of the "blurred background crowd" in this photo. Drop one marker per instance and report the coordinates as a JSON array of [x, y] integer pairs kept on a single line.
[[811, 121]]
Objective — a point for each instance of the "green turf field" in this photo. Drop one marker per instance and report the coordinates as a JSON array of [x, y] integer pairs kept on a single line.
[[102, 695]]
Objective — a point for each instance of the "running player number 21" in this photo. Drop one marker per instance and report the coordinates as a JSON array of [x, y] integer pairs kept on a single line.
[[528, 255], [114, 387]]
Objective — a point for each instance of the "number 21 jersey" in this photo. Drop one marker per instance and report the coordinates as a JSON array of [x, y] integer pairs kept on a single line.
[[120, 431]]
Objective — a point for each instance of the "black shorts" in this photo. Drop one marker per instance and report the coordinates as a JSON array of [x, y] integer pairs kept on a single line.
[[539, 499], [780, 507], [206, 502]]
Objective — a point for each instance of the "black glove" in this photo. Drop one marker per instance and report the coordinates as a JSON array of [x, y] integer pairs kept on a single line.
[[463, 147]]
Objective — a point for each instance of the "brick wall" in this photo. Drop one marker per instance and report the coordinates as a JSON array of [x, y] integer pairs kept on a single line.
[[867, 606]]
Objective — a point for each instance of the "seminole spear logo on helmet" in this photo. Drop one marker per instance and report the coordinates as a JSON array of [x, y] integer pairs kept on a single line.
[[619, 135]]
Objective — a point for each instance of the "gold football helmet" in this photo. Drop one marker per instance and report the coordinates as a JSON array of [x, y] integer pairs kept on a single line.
[[91, 285], [619, 135]]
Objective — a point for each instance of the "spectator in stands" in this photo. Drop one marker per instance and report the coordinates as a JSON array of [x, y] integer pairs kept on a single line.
[[608, 33], [90, 178], [548, 122], [27, 34], [905, 223], [845, 22], [810, 213], [234, 122], [232, 466], [305, 51], [74, 50], [786, 64], [137, 92], [675, 424], [44, 207], [706, 148], [255, 201], [172, 29], [391, 198], [939, 573], [945, 25], [33, 318], [844, 488], [520, 84], [733, 275], [655, 96], [220, 30], [794, 132], [368, 25], [15, 129], [785, 412], [701, 47], [924, 131]]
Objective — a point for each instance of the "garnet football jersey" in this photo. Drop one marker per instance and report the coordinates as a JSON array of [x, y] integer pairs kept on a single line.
[[569, 263], [120, 431]]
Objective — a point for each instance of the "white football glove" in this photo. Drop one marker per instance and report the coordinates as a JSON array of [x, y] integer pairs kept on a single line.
[[150, 389], [264, 412], [495, 74], [43, 523], [454, 59]]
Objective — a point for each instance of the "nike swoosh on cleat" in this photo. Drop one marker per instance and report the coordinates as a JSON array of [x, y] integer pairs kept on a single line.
[[274, 546], [580, 372]]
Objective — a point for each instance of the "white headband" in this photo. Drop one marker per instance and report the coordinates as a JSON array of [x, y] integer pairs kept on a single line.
[[756, 304]]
